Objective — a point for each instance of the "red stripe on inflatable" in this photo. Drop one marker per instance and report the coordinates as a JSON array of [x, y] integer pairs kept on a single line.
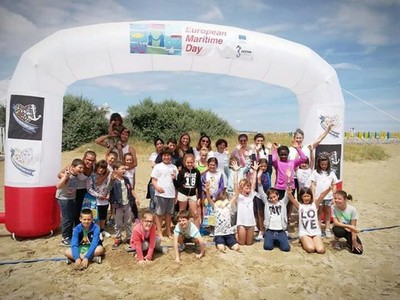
[[31, 211]]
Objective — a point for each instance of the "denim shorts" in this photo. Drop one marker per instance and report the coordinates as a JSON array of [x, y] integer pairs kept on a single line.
[[228, 240]]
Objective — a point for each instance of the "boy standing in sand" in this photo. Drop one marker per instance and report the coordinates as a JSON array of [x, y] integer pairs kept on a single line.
[[65, 195], [163, 178], [85, 244], [124, 202]]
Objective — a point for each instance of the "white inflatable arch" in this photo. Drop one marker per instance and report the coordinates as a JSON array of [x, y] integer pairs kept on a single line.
[[35, 95]]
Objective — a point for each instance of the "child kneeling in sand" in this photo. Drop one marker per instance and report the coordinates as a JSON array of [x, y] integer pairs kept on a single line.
[[309, 228], [85, 244], [224, 233], [144, 239], [184, 230], [275, 218]]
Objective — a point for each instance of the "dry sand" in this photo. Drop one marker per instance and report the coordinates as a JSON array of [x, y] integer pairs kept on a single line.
[[255, 273]]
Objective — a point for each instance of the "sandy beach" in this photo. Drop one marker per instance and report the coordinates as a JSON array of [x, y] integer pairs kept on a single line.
[[252, 274]]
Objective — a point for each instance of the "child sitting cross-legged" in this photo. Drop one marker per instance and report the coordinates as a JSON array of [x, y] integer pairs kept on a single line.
[[85, 243], [185, 230]]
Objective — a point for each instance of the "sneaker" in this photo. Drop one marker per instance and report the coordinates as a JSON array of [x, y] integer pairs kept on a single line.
[[69, 261], [97, 259], [328, 234], [181, 247], [164, 250], [323, 234], [336, 245], [259, 237], [117, 243], [105, 234], [130, 249], [66, 242], [197, 249]]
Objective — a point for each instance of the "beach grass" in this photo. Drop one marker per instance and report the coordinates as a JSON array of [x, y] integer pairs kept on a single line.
[[360, 153]]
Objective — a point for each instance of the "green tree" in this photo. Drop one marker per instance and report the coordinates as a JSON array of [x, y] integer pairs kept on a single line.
[[83, 122], [149, 120], [2, 116]]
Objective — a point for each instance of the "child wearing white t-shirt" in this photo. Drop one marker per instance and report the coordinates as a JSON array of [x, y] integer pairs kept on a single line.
[[244, 195], [309, 227], [163, 177], [321, 179]]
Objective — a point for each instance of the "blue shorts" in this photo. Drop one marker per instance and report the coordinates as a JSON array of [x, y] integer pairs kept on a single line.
[[228, 240]]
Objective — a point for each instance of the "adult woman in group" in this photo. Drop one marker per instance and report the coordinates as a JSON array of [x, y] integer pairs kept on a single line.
[[89, 160], [204, 142], [242, 151], [184, 145], [121, 148], [124, 147], [298, 138]]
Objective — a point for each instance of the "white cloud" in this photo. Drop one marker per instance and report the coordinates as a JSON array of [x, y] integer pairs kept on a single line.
[[24, 24], [368, 26], [276, 28], [128, 86], [379, 2], [253, 5], [214, 14], [16, 32], [345, 66]]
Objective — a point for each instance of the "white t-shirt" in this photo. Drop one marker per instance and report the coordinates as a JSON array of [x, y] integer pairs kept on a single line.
[[223, 160], [308, 220], [261, 154], [222, 212], [275, 211], [130, 174], [163, 174], [293, 154], [153, 157], [124, 149], [245, 212], [322, 182], [304, 177], [215, 181], [197, 154]]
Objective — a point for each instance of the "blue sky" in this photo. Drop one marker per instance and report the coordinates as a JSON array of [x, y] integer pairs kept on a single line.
[[360, 39]]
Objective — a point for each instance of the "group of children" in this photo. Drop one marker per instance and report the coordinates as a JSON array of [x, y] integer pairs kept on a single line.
[[227, 195]]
